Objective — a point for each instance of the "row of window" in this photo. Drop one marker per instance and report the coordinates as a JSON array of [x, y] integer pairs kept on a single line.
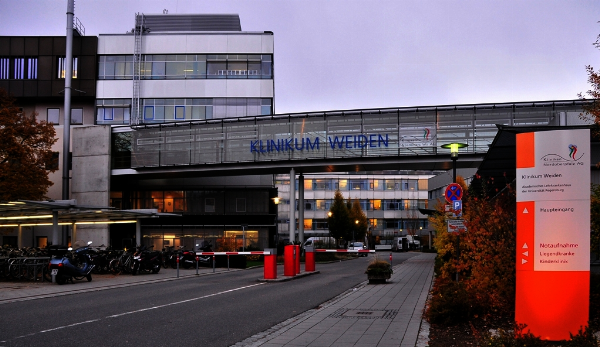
[[53, 116], [361, 184], [27, 68], [398, 225], [117, 111], [367, 205], [187, 66]]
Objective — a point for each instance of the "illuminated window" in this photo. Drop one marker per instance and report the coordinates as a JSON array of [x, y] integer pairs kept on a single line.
[[62, 67]]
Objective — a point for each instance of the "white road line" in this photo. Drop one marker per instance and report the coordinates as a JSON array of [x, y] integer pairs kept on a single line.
[[140, 310], [182, 302], [70, 325]]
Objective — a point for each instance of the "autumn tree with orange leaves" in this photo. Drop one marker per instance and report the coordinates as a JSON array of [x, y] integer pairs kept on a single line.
[[486, 264], [25, 153]]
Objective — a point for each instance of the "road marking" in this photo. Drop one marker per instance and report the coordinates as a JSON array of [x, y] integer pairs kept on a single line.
[[137, 311], [182, 302]]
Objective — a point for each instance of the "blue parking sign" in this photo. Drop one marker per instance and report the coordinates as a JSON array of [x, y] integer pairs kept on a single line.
[[457, 207]]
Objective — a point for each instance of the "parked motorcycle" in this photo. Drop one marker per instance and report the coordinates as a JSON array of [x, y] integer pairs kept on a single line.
[[72, 265], [187, 259], [205, 260], [146, 259]]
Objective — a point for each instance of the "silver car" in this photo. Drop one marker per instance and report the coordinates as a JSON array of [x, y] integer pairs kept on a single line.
[[358, 246]]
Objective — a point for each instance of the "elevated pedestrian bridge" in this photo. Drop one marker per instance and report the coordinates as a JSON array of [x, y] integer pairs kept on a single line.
[[407, 138]]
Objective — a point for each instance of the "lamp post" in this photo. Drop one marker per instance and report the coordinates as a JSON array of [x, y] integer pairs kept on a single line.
[[454, 155], [353, 230]]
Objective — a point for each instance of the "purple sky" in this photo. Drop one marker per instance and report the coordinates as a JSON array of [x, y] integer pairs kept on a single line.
[[349, 54]]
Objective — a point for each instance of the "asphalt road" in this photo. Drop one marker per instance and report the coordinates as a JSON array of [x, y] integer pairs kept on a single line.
[[216, 310]]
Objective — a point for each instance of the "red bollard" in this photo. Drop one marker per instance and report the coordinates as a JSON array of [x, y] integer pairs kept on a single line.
[[289, 268], [309, 259], [297, 260], [271, 264]]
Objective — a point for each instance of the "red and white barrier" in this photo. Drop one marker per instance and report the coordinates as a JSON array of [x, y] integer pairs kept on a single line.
[[235, 253], [270, 268], [346, 250]]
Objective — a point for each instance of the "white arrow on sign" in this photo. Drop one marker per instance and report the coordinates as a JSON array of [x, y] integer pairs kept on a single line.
[[525, 245], [523, 261], [526, 253], [525, 210]]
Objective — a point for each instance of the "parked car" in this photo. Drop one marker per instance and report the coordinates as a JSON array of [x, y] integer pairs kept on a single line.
[[357, 246]]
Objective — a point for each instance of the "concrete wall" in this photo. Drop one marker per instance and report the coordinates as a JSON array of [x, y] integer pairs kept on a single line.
[[90, 183]]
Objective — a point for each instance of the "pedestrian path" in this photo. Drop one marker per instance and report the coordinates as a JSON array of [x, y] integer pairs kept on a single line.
[[371, 315]]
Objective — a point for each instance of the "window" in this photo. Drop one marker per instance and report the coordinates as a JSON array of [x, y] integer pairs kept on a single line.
[[179, 112], [53, 115], [4, 68], [148, 112], [62, 67], [77, 116], [240, 205], [190, 66], [21, 68], [209, 205]]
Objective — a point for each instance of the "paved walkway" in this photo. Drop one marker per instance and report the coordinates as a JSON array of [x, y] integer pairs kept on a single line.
[[371, 315]]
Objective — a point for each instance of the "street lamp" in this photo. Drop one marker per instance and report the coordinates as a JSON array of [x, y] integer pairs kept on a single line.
[[454, 155], [353, 238], [453, 147]]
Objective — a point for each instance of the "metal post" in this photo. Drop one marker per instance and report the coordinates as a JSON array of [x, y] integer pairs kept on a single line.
[[228, 262], [457, 234], [301, 210], [20, 237], [67, 120], [196, 265], [292, 206], [55, 230], [213, 264], [391, 264], [138, 232], [177, 264]]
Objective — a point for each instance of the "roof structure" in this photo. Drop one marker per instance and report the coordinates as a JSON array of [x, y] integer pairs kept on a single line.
[[28, 213], [499, 162]]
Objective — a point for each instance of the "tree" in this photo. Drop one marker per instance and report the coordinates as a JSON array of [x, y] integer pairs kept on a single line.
[[591, 111], [339, 217], [25, 153], [356, 214], [595, 219]]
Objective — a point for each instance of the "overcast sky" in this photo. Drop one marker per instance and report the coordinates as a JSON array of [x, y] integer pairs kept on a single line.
[[333, 54]]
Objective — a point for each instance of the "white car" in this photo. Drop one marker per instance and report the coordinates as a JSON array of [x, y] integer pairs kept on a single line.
[[357, 246]]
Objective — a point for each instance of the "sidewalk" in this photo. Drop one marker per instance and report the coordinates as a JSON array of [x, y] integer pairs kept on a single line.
[[371, 315]]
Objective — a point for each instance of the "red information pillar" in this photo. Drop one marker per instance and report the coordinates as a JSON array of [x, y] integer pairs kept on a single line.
[[271, 264], [309, 259], [289, 268], [552, 270], [297, 259]]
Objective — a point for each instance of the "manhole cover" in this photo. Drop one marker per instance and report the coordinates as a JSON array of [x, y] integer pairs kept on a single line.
[[364, 314]]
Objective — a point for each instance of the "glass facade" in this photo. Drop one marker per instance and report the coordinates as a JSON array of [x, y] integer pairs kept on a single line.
[[156, 111], [336, 134], [188, 66]]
